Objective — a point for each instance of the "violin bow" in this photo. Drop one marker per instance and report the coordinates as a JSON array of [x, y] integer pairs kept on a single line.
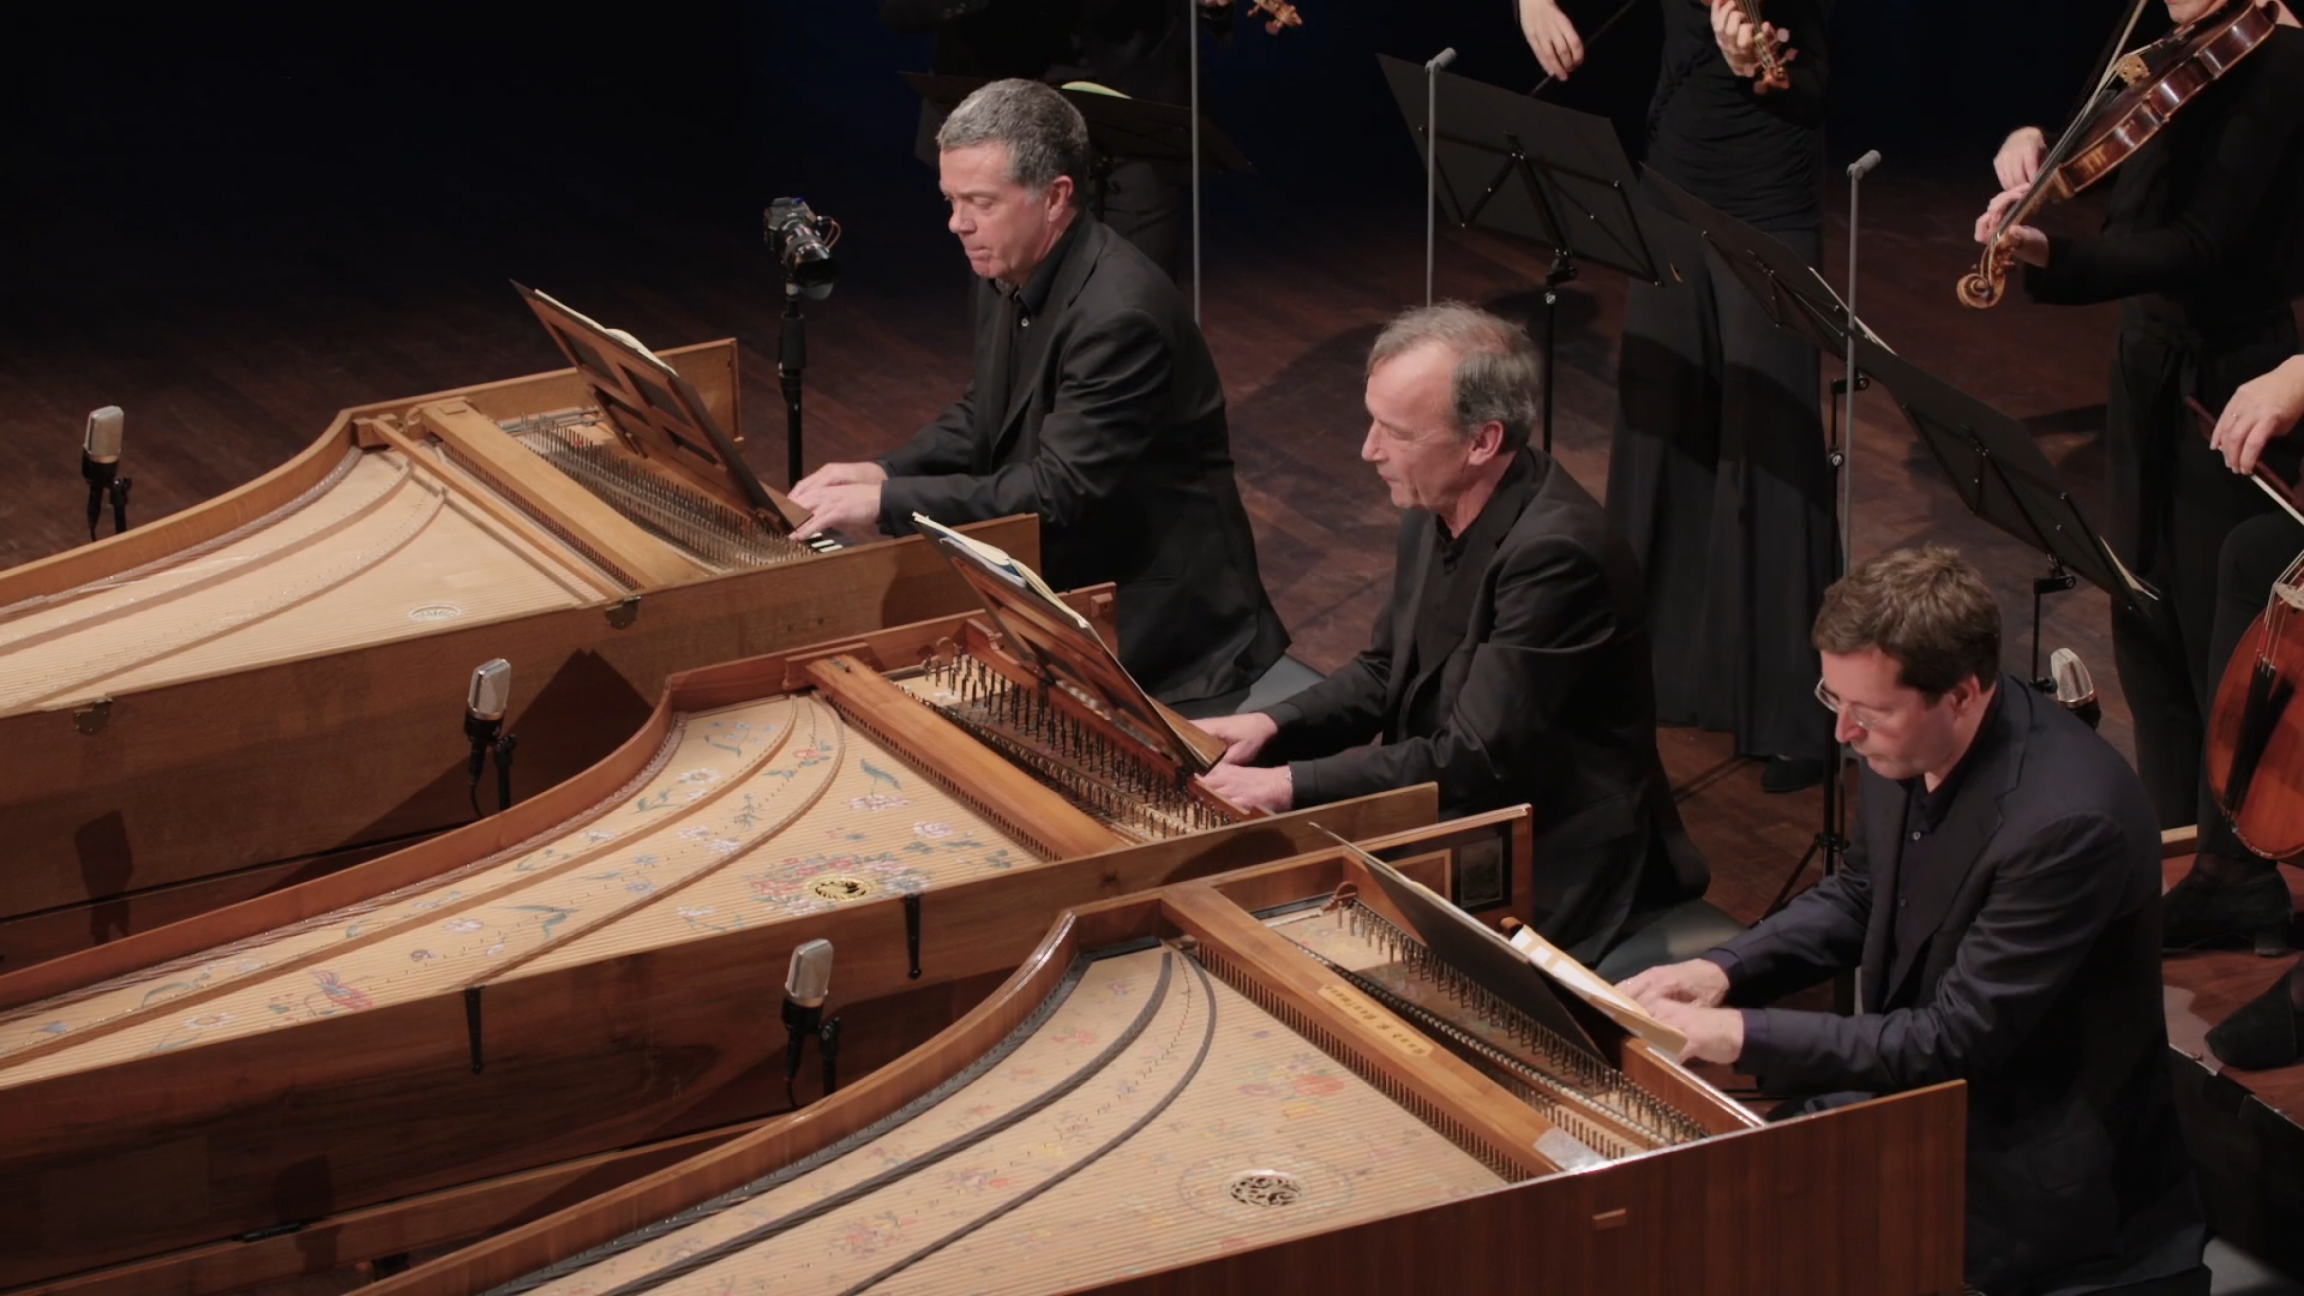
[[2283, 493], [1621, 10]]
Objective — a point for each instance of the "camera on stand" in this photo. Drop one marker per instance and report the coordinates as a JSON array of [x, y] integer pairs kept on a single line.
[[801, 241]]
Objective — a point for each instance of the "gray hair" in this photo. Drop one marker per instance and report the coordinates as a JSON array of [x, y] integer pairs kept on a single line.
[[1498, 378], [1045, 134]]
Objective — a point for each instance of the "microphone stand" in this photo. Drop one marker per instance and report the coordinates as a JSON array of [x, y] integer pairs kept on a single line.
[[1432, 158], [791, 358], [1831, 841]]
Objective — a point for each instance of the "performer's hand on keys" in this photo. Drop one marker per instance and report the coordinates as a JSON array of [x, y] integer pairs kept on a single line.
[[1552, 37], [1714, 1034], [1245, 735], [836, 474], [1697, 983], [1253, 786]]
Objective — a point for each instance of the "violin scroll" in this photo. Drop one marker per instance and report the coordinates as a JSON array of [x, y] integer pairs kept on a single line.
[[1982, 288]]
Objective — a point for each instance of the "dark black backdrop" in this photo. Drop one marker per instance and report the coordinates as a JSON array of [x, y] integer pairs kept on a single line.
[[191, 134]]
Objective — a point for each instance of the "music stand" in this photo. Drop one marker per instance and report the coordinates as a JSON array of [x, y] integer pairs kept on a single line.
[[2000, 474], [1519, 166], [1120, 129]]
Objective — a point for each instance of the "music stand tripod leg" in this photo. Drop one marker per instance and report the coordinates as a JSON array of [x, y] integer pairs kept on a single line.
[[1563, 269]]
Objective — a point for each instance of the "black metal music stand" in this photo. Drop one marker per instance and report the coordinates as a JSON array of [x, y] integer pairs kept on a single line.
[[1120, 129], [2000, 474], [1519, 166], [1792, 292]]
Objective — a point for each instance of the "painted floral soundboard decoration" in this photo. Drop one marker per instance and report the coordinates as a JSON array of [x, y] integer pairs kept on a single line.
[[1153, 1117], [751, 814]]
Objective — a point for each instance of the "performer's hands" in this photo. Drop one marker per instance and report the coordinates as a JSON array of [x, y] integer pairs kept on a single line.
[[1552, 37], [2023, 242], [2263, 410], [2018, 162], [1741, 40], [1697, 983], [840, 497], [839, 474], [1714, 1034], [1245, 735], [1254, 787]]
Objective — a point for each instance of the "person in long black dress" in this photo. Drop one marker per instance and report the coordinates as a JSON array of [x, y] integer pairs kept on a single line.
[[1718, 477], [2201, 238]]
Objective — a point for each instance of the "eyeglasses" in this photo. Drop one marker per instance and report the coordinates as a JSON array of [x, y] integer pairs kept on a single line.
[[1859, 716]]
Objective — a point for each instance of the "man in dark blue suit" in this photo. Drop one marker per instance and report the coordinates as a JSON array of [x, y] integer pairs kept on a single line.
[[2000, 906]]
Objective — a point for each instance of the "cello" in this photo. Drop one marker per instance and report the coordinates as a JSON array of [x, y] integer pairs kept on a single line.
[[2153, 84], [2255, 747]]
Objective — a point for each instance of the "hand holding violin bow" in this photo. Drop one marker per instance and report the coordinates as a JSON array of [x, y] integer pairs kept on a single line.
[[1754, 49]]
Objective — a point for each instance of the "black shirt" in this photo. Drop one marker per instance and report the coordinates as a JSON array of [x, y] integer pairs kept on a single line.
[[1757, 157], [1452, 582], [1020, 306], [1924, 813], [2204, 219]]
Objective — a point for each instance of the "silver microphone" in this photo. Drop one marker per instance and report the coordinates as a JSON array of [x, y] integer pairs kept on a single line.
[[491, 691], [100, 467], [484, 705], [809, 980], [1862, 166], [102, 444], [806, 984], [1441, 59]]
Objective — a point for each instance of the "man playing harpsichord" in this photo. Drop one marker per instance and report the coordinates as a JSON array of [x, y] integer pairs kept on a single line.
[[1512, 663], [1095, 404], [2000, 906]]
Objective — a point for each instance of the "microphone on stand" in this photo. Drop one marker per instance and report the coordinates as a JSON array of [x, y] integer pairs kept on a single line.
[[2075, 688], [806, 985], [1862, 166], [100, 468], [484, 706]]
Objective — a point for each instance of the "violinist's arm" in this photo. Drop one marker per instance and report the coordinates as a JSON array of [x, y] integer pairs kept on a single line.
[[2240, 159]]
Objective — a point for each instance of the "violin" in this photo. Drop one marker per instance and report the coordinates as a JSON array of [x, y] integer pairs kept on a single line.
[[1277, 13], [2154, 83], [1772, 74], [2255, 732]]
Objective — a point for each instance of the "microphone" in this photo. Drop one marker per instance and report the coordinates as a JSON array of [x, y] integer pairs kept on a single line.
[[1441, 59], [100, 466], [806, 985], [484, 706], [2075, 688], [1862, 166]]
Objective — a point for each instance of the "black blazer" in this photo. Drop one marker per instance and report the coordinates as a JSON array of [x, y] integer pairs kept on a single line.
[[2031, 971], [1115, 435], [1549, 699]]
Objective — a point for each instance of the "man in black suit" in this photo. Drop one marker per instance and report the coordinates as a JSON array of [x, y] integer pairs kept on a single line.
[[2000, 904], [1512, 663], [1094, 404]]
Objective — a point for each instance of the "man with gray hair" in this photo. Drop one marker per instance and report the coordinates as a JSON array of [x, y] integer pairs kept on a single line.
[[1512, 662], [1095, 404]]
